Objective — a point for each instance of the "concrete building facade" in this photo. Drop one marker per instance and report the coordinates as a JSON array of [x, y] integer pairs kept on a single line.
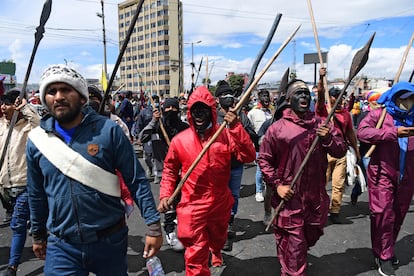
[[153, 59]]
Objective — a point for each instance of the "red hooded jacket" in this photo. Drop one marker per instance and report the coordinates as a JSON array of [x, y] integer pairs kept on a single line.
[[208, 182]]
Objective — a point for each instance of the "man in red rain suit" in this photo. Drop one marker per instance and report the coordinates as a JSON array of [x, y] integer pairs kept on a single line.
[[206, 200]]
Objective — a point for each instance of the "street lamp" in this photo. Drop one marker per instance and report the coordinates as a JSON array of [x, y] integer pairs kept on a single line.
[[192, 63], [102, 15]]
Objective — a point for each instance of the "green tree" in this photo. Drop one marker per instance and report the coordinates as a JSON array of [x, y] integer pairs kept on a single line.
[[236, 83]]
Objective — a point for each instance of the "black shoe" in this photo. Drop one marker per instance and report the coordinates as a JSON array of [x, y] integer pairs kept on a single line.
[[354, 199], [228, 246], [231, 232], [395, 260], [335, 218], [10, 271], [385, 267]]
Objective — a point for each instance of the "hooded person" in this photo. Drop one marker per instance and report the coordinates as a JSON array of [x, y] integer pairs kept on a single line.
[[204, 209], [153, 133], [390, 173], [300, 223], [225, 96]]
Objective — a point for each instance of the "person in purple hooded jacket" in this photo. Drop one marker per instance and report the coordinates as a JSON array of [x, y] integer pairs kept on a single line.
[[300, 223], [390, 173]]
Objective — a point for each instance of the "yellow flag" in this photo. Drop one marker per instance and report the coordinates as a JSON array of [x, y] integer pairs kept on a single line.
[[104, 81]]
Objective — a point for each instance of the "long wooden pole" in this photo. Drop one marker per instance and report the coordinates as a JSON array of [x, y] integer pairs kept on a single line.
[[239, 105], [358, 62], [318, 47], [262, 51], [396, 79], [47, 8], [121, 53]]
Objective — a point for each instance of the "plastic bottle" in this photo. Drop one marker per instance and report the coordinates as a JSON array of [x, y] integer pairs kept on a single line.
[[154, 267]]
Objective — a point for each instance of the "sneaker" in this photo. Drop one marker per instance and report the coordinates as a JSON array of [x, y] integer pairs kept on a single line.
[[385, 267], [216, 259], [148, 173], [259, 197], [157, 180], [10, 271], [266, 218], [7, 217], [174, 242]]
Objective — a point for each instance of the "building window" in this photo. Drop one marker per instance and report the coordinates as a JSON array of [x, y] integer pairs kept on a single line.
[[163, 53], [164, 62]]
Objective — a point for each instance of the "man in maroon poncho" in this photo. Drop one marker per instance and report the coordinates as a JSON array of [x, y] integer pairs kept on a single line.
[[390, 173], [300, 223]]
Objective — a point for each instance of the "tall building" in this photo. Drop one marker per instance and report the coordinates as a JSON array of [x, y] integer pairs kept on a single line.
[[153, 59]]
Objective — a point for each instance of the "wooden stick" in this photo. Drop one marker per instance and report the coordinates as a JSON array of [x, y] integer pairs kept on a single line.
[[47, 8], [121, 53], [164, 132], [263, 50], [239, 105], [318, 47], [396, 79]]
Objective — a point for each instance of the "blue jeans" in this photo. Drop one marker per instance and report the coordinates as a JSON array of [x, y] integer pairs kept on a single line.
[[234, 185], [107, 256], [259, 177], [18, 225]]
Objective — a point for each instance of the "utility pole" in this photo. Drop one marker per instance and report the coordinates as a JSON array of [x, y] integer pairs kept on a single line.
[[192, 63], [102, 15]]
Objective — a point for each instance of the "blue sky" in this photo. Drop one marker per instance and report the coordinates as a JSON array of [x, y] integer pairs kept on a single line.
[[231, 31]]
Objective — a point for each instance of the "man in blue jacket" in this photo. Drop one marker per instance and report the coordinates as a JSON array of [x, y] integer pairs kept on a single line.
[[78, 221]]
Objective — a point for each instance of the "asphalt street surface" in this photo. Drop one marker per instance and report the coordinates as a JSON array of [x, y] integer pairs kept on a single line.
[[345, 249]]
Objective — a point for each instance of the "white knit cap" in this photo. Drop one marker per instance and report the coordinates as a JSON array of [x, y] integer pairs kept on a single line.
[[65, 74]]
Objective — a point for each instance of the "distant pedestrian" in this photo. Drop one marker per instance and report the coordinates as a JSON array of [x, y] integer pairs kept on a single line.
[[258, 115], [153, 133]]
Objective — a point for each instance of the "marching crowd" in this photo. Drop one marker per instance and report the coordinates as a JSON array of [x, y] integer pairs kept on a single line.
[[71, 176]]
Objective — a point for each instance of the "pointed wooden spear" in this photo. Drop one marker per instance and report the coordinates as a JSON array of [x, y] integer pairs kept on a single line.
[[47, 8], [239, 105], [263, 50], [359, 61], [396, 79], [318, 47], [121, 54]]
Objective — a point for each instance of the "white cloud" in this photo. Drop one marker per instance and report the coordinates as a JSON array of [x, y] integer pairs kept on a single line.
[[231, 32]]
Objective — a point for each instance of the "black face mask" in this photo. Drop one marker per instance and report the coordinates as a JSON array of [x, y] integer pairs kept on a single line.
[[226, 101], [264, 99], [300, 101], [201, 114], [171, 117]]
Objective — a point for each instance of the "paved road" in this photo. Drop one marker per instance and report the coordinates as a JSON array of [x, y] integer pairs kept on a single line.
[[343, 250]]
